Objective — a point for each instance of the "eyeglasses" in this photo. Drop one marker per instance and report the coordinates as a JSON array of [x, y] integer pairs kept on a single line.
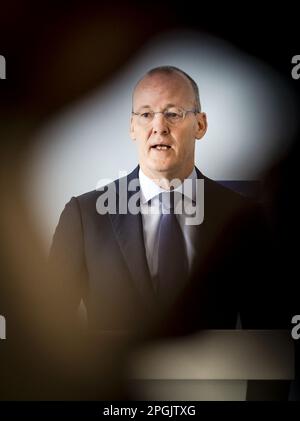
[[172, 115]]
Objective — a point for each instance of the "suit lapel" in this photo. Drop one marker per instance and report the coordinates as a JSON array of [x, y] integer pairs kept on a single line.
[[205, 233], [217, 216], [128, 229]]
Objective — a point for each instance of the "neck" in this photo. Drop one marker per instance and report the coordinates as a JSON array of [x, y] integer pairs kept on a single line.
[[168, 180]]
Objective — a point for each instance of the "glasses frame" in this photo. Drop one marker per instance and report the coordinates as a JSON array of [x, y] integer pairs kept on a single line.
[[185, 112]]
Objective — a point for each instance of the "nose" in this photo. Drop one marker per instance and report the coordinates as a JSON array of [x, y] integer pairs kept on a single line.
[[159, 125]]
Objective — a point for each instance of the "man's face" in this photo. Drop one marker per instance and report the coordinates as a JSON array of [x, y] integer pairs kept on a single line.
[[157, 93]]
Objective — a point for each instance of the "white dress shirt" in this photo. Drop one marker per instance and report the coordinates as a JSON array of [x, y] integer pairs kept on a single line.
[[151, 212]]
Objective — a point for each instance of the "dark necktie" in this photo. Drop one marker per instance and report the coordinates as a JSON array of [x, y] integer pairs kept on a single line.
[[172, 255]]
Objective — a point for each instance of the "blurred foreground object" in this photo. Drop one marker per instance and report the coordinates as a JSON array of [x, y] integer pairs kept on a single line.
[[215, 365]]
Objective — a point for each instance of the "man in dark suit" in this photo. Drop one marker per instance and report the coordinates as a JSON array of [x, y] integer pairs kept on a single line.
[[143, 272]]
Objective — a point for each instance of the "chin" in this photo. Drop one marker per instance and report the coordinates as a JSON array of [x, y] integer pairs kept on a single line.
[[163, 167]]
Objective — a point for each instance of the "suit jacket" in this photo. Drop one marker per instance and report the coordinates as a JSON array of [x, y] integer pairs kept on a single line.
[[103, 262]]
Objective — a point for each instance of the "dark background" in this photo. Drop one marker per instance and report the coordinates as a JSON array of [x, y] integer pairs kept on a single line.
[[43, 41]]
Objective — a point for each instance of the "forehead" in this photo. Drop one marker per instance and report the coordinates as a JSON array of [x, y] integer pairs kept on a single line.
[[161, 89]]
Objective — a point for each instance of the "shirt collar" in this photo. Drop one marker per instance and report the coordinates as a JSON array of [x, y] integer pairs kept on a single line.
[[149, 189]]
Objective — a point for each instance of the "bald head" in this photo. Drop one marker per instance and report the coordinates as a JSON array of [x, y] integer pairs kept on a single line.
[[168, 75]]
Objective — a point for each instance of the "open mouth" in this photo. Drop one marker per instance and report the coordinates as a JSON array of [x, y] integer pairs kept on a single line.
[[161, 147]]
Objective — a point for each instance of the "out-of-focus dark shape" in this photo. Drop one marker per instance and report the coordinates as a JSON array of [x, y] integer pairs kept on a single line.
[[279, 197], [55, 54]]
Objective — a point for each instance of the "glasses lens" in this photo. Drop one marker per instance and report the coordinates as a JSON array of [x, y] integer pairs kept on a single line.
[[146, 117], [174, 115]]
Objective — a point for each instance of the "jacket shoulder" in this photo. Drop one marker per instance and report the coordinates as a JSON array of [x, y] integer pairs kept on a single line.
[[219, 191]]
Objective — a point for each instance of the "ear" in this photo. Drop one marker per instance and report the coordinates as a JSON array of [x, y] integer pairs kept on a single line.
[[201, 125], [132, 130]]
